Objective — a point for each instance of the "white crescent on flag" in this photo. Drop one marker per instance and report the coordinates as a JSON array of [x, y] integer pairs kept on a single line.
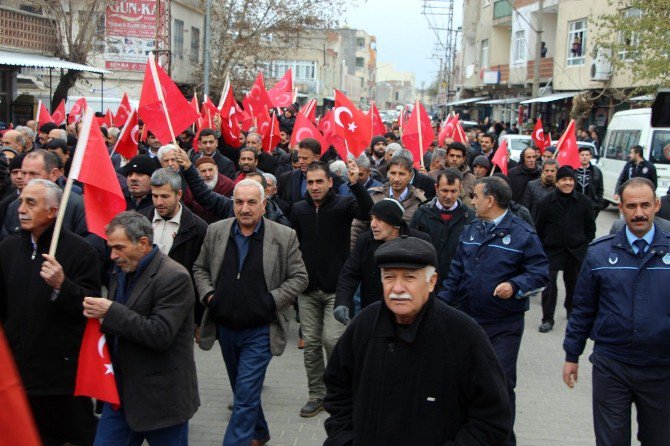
[[134, 134], [101, 345], [326, 127], [281, 85], [340, 110], [283, 98], [539, 134], [299, 137]]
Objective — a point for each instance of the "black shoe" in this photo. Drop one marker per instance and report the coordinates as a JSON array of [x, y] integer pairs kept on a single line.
[[546, 327], [313, 407]]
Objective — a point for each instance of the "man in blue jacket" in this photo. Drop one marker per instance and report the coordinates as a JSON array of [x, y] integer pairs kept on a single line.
[[499, 262], [621, 303]]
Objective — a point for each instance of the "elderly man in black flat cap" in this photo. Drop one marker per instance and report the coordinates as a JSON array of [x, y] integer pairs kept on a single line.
[[411, 370], [138, 173]]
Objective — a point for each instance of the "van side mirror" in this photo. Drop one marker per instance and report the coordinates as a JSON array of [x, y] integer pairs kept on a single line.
[[660, 109]]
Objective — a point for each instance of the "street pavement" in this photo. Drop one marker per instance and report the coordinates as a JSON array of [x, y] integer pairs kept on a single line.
[[547, 413]]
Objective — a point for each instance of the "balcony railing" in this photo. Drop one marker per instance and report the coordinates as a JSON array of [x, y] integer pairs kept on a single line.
[[502, 9], [546, 68]]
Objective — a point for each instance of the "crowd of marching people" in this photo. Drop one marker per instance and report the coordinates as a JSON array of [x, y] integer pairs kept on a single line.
[[409, 277]]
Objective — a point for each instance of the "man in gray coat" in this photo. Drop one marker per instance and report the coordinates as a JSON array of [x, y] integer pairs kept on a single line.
[[249, 316], [148, 320]]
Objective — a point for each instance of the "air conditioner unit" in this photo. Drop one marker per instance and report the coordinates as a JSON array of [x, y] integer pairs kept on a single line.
[[601, 67]]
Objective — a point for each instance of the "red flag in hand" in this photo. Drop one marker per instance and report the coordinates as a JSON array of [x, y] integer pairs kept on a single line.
[[123, 112], [258, 95], [418, 133], [230, 127], [164, 110], [58, 116], [95, 375], [194, 102], [452, 129], [304, 128], [109, 118], [567, 151], [351, 124], [378, 127], [268, 127], [43, 115], [539, 138], [92, 166], [129, 138], [281, 95], [501, 157], [309, 110], [17, 426], [327, 128], [77, 110]]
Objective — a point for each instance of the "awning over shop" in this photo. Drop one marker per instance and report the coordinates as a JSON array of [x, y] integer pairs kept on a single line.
[[465, 101], [552, 97], [505, 101], [35, 60]]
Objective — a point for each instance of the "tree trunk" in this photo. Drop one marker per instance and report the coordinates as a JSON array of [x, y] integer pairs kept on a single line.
[[66, 82]]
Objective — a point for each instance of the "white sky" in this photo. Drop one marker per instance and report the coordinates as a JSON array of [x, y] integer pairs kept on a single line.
[[403, 34]]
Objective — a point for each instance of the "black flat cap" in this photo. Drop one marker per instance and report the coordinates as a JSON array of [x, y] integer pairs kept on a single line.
[[140, 164], [406, 252]]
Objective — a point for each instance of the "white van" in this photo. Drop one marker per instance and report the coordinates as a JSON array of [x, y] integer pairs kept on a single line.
[[516, 144], [626, 129]]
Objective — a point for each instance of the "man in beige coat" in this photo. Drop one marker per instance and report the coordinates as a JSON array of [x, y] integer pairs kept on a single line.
[[249, 316]]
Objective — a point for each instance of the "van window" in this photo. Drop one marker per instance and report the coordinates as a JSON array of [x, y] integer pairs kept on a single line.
[[660, 147], [619, 143], [520, 144]]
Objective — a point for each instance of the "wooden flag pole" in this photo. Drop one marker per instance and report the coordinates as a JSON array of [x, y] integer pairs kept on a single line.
[[78, 157], [159, 93], [418, 126], [493, 169]]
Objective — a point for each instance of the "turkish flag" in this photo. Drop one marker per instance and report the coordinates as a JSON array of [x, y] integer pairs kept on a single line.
[[123, 112], [249, 118], [351, 124], [501, 157], [164, 110], [230, 128], [567, 151], [128, 140], [378, 127], [418, 134], [309, 110], [77, 110], [268, 128], [194, 103], [92, 166], [281, 94], [58, 116], [304, 128], [258, 95], [95, 374], [327, 128], [17, 426], [539, 138], [43, 115], [109, 118], [452, 129]]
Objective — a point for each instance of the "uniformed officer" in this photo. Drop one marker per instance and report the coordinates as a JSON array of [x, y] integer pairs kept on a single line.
[[411, 370], [499, 262], [621, 303]]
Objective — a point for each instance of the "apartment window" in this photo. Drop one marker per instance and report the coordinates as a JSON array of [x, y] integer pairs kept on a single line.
[[195, 45], [519, 46], [629, 40], [360, 62], [178, 50], [303, 70], [576, 42], [360, 43], [484, 54]]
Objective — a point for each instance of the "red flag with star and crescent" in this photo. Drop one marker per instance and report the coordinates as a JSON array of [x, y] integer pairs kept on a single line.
[[95, 374], [327, 128], [378, 127], [539, 138], [351, 124], [77, 110], [258, 95], [501, 157], [129, 138], [58, 116], [567, 151], [123, 112], [281, 94], [418, 133], [304, 128]]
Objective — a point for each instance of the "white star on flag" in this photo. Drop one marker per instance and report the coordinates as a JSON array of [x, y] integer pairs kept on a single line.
[[109, 368], [352, 127]]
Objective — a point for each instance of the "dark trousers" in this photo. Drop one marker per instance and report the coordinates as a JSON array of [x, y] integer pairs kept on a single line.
[[616, 386], [246, 354], [64, 419], [505, 337], [114, 431], [550, 293]]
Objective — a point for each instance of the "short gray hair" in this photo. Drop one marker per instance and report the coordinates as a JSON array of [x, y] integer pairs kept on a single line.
[[250, 182], [165, 176], [165, 149], [338, 168], [403, 153], [134, 224], [113, 131], [62, 134], [270, 177], [429, 269], [363, 161], [438, 155], [26, 131], [52, 193], [393, 147]]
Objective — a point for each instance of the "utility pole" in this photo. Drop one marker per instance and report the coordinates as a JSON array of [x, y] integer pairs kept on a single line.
[[538, 58], [208, 26]]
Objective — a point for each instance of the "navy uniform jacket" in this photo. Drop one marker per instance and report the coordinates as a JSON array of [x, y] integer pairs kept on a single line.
[[621, 302], [511, 253]]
